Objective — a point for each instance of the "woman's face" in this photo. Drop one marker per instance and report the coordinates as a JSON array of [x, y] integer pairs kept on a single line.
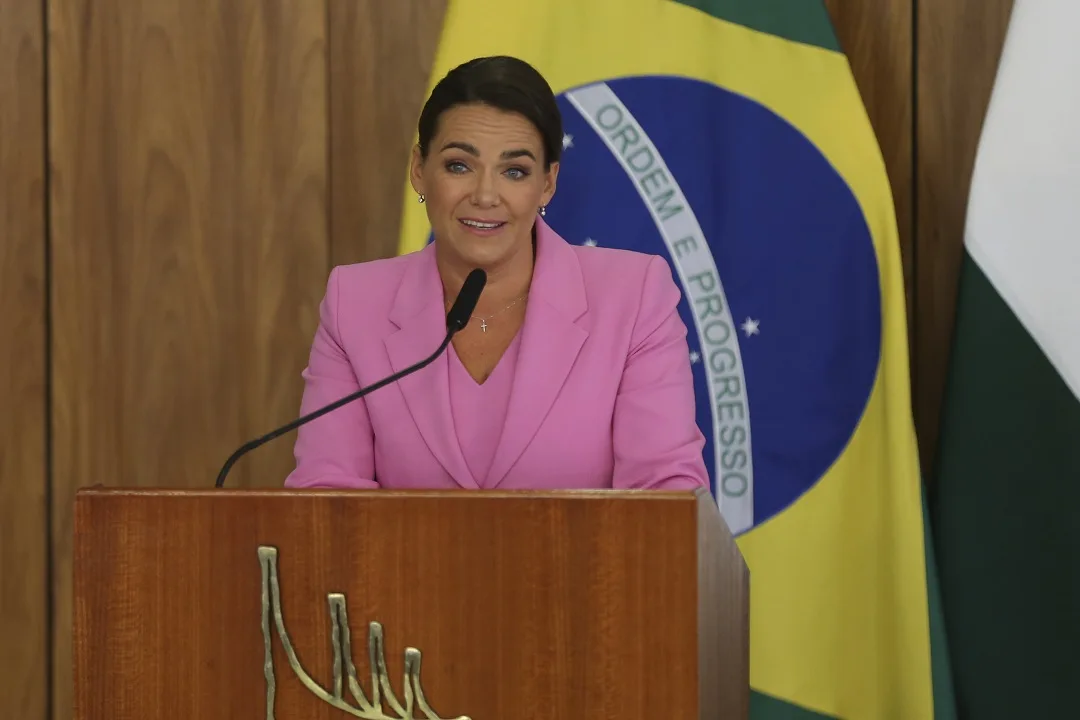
[[483, 182]]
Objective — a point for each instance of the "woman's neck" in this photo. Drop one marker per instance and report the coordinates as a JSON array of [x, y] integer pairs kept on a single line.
[[506, 282]]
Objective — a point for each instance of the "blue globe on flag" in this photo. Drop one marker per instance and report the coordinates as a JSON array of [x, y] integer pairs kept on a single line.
[[774, 257]]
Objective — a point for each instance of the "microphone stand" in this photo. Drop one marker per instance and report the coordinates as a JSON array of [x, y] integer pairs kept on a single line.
[[249, 446]]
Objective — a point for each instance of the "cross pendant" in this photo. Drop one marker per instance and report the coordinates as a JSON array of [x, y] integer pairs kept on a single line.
[[483, 325]]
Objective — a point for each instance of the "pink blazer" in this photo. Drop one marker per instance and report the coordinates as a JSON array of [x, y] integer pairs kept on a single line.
[[602, 397]]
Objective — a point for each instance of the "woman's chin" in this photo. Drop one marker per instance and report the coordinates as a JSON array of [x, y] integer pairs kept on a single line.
[[484, 252]]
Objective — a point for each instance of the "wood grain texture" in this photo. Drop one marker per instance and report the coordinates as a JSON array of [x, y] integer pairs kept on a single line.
[[877, 37], [190, 249], [724, 636], [960, 42], [381, 55], [525, 605], [24, 605]]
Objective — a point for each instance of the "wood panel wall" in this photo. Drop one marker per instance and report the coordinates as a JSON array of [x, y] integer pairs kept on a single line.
[[24, 566], [210, 160], [960, 44], [380, 57], [189, 241]]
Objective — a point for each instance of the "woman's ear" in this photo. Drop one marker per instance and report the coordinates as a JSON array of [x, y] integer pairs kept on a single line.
[[550, 177], [416, 170]]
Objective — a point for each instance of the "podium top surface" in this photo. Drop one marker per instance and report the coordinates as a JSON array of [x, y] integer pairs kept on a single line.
[[97, 491]]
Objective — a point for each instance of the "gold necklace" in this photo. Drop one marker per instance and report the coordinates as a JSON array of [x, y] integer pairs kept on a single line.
[[483, 320]]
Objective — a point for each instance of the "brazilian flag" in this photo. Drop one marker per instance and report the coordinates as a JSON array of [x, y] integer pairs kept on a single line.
[[728, 136]]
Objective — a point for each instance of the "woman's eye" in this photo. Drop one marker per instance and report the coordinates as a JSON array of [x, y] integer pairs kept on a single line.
[[456, 167], [517, 173]]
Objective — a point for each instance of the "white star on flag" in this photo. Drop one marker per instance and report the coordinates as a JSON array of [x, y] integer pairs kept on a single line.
[[695, 357], [750, 327], [590, 242], [567, 141]]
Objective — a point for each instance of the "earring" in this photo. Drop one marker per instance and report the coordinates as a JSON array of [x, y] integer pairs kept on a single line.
[[543, 210], [420, 198]]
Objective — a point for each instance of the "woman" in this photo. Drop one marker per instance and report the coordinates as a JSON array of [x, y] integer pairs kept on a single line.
[[573, 372]]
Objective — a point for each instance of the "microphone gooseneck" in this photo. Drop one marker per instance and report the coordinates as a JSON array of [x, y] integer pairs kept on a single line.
[[468, 296], [456, 320]]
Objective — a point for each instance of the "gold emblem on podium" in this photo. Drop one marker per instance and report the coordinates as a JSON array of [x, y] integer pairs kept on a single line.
[[345, 677]]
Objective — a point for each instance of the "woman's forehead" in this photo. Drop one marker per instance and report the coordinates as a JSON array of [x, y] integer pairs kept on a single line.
[[484, 127]]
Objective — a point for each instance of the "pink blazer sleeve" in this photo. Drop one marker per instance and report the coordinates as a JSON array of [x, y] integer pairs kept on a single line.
[[656, 439], [337, 449]]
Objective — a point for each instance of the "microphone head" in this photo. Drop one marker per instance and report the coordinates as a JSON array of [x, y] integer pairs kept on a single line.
[[463, 306]]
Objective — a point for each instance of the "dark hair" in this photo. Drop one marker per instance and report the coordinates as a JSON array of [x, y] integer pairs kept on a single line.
[[502, 82]]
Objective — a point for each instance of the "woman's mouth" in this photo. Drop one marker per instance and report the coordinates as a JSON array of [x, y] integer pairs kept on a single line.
[[481, 227]]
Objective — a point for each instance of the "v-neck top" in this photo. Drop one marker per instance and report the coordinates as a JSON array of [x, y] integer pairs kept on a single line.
[[479, 409]]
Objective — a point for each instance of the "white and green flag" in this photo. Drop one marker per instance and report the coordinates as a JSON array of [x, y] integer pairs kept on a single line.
[[1006, 506]]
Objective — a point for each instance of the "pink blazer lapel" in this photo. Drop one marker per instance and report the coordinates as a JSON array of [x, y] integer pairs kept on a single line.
[[418, 313], [550, 342]]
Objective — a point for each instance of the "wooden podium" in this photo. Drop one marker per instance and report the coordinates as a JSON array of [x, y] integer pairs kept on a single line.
[[286, 605]]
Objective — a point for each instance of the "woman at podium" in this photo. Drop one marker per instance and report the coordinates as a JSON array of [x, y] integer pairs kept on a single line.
[[573, 370]]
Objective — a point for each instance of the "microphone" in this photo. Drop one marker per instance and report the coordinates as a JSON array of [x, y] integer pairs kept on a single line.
[[456, 320]]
